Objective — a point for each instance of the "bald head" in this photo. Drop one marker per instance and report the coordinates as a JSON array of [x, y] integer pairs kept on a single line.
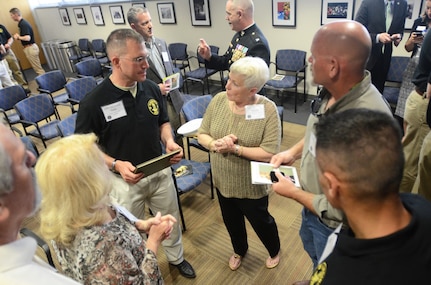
[[347, 40]]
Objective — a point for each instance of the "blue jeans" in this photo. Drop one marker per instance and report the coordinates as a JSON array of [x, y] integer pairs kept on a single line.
[[313, 233]]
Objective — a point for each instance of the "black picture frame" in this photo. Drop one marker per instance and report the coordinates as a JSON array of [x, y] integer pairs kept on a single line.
[[166, 13], [335, 10], [96, 12], [200, 14], [117, 14], [80, 16], [64, 16]]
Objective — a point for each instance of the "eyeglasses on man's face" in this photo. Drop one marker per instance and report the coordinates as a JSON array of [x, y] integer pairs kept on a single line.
[[138, 60]]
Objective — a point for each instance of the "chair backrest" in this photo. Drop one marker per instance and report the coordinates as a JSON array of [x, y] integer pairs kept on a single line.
[[80, 87], [35, 108], [90, 67], [51, 81], [178, 51], [214, 49], [11, 95], [84, 45], [397, 68], [99, 45], [66, 127], [290, 59], [195, 108], [30, 146]]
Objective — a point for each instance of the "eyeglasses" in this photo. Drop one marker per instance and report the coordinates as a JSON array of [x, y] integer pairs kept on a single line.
[[138, 60], [317, 103]]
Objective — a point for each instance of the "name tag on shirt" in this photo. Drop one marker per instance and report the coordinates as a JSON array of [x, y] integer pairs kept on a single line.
[[254, 112], [114, 111], [312, 145], [165, 56]]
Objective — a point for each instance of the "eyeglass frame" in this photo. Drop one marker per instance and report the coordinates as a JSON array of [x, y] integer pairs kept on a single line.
[[138, 60]]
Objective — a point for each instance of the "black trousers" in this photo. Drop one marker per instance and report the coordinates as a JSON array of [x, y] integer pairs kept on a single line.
[[256, 211]]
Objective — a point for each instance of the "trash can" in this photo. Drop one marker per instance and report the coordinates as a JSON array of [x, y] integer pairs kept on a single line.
[[46, 47], [65, 50]]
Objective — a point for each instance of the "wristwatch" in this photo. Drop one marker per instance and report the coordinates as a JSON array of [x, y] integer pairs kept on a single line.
[[113, 165]]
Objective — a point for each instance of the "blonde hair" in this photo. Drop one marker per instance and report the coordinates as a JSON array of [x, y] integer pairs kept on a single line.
[[75, 183]]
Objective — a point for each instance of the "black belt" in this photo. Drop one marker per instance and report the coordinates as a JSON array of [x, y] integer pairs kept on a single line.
[[420, 92]]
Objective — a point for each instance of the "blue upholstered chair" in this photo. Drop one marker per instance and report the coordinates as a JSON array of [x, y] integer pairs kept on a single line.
[[52, 83], [90, 67], [290, 69], [66, 127], [9, 96], [78, 88], [83, 51], [35, 109], [394, 79], [99, 50], [194, 109], [180, 58]]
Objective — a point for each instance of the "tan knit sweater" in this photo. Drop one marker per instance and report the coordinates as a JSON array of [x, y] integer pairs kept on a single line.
[[232, 174]]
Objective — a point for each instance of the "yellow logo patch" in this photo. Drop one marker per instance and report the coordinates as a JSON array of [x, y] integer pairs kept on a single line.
[[153, 107]]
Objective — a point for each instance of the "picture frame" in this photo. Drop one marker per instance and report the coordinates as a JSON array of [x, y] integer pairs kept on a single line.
[[166, 13], [284, 13], [117, 14], [335, 10], [142, 5], [200, 12], [414, 8], [64, 16], [96, 12], [80, 16]]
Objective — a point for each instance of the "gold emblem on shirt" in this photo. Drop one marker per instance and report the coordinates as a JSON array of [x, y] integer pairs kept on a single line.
[[319, 274], [153, 107]]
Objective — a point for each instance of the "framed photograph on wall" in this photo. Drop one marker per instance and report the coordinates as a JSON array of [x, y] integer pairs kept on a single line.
[[142, 5], [80, 16], [284, 13], [117, 14], [335, 10], [96, 11], [200, 12], [64, 15], [166, 13], [414, 8]]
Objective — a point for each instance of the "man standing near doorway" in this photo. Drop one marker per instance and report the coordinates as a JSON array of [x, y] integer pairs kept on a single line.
[[26, 36], [6, 40]]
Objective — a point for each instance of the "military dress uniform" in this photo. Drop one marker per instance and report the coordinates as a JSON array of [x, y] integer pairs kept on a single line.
[[249, 42]]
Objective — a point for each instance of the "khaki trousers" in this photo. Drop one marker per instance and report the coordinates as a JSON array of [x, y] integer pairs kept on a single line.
[[32, 54]]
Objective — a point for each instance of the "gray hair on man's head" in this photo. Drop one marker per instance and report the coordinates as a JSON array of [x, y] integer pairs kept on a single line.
[[132, 14]]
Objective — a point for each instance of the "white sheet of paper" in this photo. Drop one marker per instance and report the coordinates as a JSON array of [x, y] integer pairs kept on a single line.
[[254, 112], [126, 213], [114, 111]]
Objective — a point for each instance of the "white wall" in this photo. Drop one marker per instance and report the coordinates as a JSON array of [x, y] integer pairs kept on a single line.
[[308, 14]]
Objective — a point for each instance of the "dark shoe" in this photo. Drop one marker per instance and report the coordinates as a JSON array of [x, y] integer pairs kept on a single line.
[[28, 91], [303, 282], [186, 269]]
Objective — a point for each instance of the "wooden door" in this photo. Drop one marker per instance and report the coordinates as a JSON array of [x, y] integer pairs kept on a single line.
[[12, 27]]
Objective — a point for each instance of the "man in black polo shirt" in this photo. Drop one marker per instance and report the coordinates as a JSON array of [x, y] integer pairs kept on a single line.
[[129, 116], [26, 36]]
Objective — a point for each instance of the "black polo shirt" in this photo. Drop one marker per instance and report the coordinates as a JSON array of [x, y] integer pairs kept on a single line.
[[128, 128]]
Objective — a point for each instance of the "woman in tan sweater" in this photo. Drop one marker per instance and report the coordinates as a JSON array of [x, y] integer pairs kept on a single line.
[[240, 126]]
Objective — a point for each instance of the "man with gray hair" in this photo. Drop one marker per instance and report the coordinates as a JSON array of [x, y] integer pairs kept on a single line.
[[19, 198], [248, 40], [160, 62]]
